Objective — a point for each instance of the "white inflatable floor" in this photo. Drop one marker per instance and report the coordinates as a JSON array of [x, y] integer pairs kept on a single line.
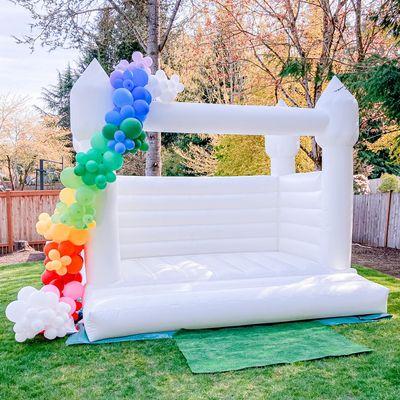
[[213, 290]]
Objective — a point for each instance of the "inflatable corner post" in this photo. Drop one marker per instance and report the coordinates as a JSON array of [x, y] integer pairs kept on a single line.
[[107, 115]]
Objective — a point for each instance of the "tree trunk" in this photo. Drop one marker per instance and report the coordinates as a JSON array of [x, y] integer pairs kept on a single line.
[[10, 174], [153, 156]]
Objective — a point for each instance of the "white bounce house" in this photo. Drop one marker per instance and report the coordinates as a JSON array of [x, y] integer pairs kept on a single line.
[[202, 252]]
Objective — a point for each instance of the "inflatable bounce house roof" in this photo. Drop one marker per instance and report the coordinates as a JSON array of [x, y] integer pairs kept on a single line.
[[166, 253]]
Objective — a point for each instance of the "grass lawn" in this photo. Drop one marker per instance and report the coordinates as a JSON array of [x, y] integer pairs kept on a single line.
[[156, 369]]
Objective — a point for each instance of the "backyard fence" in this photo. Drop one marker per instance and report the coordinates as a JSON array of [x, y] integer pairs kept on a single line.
[[19, 211], [376, 220]]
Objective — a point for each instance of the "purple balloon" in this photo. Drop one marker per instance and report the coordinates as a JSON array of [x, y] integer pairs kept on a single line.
[[122, 97], [116, 79]]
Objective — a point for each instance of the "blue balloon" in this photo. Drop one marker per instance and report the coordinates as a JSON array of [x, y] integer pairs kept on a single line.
[[111, 144], [122, 97], [127, 112], [140, 93], [119, 136], [120, 148], [113, 117], [141, 107], [129, 144], [118, 83], [128, 84], [127, 74], [140, 77]]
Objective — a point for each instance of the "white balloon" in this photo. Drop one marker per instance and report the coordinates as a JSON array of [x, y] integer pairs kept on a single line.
[[37, 325], [15, 311], [26, 292], [50, 333], [19, 337]]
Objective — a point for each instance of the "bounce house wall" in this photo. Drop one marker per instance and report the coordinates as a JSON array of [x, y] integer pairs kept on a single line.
[[301, 228], [183, 215]]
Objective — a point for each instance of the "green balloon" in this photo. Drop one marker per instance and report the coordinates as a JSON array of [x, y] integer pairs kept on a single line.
[[85, 195], [80, 170], [142, 136], [99, 142], [101, 181], [111, 177], [144, 146], [108, 131], [88, 178], [91, 166], [131, 127], [112, 160], [55, 218], [138, 143], [76, 210], [69, 179], [81, 158], [94, 155], [87, 219]]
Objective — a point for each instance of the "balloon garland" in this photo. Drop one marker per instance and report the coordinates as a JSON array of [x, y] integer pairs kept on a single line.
[[53, 309]]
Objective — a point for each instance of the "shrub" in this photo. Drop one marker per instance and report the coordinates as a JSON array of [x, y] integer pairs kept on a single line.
[[360, 184], [389, 183]]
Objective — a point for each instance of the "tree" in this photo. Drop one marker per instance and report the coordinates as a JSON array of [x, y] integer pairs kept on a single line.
[[68, 23], [25, 138], [298, 45]]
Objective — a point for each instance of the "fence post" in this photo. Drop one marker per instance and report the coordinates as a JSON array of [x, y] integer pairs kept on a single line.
[[10, 227], [388, 218]]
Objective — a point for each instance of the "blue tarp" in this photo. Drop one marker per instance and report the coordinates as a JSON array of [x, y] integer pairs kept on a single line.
[[80, 337]]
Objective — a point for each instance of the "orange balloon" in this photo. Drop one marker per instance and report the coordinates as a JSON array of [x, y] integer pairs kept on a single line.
[[79, 236], [67, 248], [50, 246], [76, 264]]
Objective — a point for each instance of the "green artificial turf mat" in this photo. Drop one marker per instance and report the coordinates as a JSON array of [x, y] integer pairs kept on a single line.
[[229, 349]]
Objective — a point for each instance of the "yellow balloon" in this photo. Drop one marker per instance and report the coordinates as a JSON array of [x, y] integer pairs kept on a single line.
[[65, 260], [54, 254], [59, 232], [67, 196]]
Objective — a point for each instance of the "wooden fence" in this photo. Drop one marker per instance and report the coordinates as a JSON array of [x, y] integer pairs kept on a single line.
[[376, 220], [19, 211]]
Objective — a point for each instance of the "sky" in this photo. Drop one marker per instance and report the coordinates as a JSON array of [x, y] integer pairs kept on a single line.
[[21, 71]]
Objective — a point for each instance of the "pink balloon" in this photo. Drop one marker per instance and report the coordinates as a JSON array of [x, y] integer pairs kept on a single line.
[[70, 302], [73, 289], [51, 289]]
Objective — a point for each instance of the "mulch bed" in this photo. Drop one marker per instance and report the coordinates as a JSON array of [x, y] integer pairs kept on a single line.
[[383, 259]]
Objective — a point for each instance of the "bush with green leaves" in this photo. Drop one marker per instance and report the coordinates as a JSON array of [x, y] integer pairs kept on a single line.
[[389, 183]]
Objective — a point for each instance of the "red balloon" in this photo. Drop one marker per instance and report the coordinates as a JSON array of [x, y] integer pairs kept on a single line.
[[50, 246], [66, 248], [75, 316], [58, 283], [78, 305], [76, 264], [71, 277], [48, 276]]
